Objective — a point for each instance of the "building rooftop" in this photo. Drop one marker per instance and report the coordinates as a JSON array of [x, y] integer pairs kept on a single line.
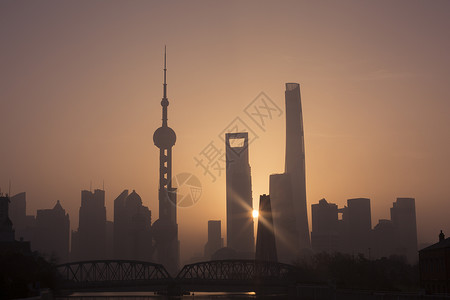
[[445, 243]]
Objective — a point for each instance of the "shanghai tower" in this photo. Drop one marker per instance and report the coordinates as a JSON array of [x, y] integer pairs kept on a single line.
[[165, 229], [288, 190], [295, 161]]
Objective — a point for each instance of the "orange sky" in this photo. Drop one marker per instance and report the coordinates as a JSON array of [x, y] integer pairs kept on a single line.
[[81, 84]]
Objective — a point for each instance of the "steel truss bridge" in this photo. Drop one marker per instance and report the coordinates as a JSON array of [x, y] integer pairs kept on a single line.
[[219, 275], [103, 275]]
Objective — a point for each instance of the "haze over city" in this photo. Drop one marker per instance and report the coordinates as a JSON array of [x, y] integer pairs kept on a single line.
[[81, 84]]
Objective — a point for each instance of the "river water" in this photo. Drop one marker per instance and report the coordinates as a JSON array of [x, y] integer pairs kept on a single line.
[[152, 296]]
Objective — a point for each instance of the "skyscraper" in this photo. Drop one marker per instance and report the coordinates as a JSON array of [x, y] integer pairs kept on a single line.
[[23, 223], [266, 248], [120, 225], [51, 235], [166, 227], [6, 226], [240, 232], [8, 243], [215, 241], [283, 214], [132, 228], [324, 235], [357, 223], [89, 242], [18, 211], [383, 239], [295, 160], [403, 216], [288, 190]]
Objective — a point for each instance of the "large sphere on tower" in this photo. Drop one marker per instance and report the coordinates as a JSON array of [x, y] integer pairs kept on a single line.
[[164, 137]]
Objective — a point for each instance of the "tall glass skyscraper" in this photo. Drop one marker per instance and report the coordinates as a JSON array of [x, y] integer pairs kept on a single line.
[[295, 160], [288, 190], [240, 232]]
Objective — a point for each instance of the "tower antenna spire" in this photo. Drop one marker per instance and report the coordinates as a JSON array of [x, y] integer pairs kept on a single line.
[[165, 71], [164, 101]]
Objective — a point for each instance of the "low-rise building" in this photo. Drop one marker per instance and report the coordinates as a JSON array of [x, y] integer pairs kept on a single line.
[[434, 262]]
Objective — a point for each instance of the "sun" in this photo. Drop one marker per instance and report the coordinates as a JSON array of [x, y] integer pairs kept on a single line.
[[255, 213]]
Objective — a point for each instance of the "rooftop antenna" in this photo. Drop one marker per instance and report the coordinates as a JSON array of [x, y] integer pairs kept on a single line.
[[9, 190], [90, 187], [103, 188]]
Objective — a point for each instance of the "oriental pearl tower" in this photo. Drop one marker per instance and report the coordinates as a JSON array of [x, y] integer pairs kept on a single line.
[[165, 229]]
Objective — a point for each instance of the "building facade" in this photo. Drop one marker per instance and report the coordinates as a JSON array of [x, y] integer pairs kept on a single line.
[[357, 223], [89, 242], [266, 248], [132, 228], [434, 264], [6, 226], [23, 224], [8, 244], [215, 240], [325, 231], [51, 233], [295, 161], [403, 217], [283, 214]]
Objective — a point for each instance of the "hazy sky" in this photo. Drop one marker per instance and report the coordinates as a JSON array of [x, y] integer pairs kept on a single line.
[[81, 84]]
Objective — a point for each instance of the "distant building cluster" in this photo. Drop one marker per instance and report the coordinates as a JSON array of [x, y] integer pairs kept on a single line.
[[282, 232], [48, 232], [129, 236], [349, 229]]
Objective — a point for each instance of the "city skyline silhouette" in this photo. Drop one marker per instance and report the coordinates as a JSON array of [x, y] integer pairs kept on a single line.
[[81, 105]]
